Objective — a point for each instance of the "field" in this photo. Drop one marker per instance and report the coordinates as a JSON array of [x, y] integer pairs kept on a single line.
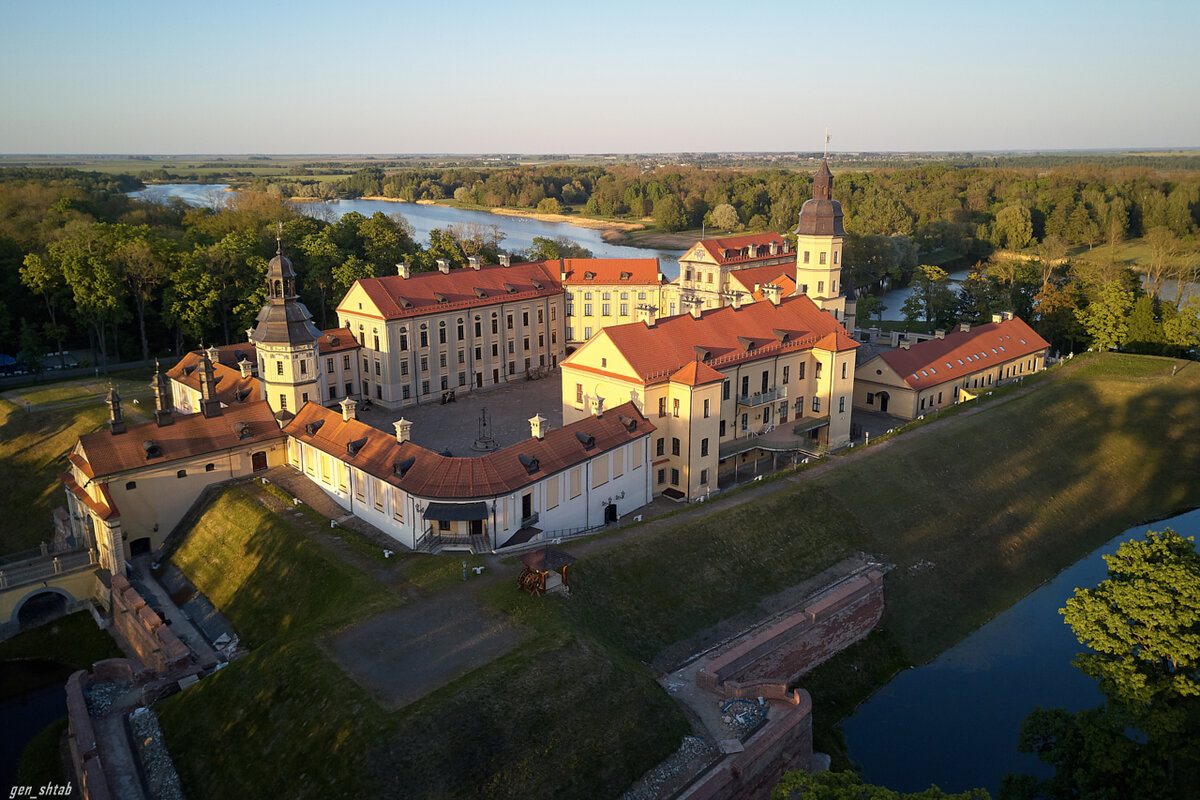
[[972, 513]]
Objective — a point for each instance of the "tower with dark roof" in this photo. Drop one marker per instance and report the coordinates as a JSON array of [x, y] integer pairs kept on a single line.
[[819, 238], [286, 341]]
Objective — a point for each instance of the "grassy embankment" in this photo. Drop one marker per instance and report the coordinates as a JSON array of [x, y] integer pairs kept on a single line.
[[973, 514]]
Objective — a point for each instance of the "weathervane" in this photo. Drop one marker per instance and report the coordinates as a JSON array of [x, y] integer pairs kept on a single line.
[[827, 138]]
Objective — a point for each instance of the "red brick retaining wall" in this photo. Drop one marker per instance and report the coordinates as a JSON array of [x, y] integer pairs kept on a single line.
[[155, 644]]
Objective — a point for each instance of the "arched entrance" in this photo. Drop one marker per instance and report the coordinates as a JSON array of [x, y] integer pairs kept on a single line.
[[139, 547], [41, 606], [882, 397]]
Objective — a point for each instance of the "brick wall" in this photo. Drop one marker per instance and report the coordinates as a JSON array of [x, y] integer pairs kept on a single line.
[[142, 629]]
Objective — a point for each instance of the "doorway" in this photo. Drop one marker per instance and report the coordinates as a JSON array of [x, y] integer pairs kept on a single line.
[[477, 527], [495, 377], [258, 461], [478, 380], [883, 401], [139, 547], [610, 513]]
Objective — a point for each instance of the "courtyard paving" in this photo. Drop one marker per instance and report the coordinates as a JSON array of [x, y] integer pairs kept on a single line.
[[455, 426]]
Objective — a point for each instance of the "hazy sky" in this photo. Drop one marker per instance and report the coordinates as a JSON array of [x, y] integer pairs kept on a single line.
[[600, 76]]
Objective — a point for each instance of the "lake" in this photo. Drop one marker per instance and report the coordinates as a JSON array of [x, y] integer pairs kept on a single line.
[[518, 231], [955, 721]]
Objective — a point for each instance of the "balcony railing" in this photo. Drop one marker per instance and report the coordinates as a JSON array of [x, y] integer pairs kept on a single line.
[[762, 398]]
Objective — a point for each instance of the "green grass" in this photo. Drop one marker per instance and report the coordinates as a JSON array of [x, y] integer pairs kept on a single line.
[[41, 763], [74, 640], [33, 450], [560, 716], [1122, 365], [57, 394]]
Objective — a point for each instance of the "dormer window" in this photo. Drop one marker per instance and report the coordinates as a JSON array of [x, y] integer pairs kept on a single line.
[[587, 440], [312, 427], [401, 468], [353, 447], [441, 298], [529, 463]]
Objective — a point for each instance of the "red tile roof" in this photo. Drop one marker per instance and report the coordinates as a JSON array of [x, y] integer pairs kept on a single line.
[[190, 435], [964, 353], [336, 340], [782, 275], [723, 333], [735, 249], [696, 373], [231, 354], [230, 383], [98, 508], [436, 476], [584, 271], [398, 297]]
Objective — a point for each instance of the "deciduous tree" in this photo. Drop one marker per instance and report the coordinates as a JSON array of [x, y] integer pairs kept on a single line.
[[1106, 318]]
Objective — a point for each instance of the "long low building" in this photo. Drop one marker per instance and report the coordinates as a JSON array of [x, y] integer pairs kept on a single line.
[[916, 378], [580, 476]]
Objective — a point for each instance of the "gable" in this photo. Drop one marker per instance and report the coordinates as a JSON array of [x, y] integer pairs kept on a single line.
[[879, 371], [356, 295]]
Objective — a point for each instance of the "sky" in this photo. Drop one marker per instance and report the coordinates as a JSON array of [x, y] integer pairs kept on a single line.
[[604, 76]]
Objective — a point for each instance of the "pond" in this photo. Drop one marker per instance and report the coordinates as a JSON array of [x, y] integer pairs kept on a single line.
[[33, 695], [955, 721], [518, 231]]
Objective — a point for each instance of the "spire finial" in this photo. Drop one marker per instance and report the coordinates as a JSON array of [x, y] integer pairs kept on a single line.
[[827, 138], [279, 238]]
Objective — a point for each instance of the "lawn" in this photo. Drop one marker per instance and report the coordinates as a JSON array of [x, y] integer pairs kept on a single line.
[[33, 450], [75, 640]]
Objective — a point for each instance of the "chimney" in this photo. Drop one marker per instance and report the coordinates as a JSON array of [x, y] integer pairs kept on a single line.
[[786, 247], [403, 430], [697, 306], [736, 302], [599, 406], [1006, 316], [473, 263], [965, 327], [905, 344], [772, 293], [505, 260], [753, 251], [443, 266], [940, 333], [538, 426], [774, 248], [214, 355], [245, 366], [116, 422], [349, 409], [647, 314], [403, 270], [995, 317], [162, 397], [210, 406]]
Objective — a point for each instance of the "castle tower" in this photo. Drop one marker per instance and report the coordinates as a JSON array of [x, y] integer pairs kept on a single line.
[[819, 238], [286, 341]]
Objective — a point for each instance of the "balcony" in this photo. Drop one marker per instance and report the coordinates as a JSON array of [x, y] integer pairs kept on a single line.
[[762, 398]]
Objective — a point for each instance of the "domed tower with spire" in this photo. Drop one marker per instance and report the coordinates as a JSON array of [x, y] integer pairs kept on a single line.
[[286, 341], [819, 238]]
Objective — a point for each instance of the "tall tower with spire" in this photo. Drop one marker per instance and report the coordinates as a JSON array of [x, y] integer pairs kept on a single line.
[[819, 238], [286, 341]]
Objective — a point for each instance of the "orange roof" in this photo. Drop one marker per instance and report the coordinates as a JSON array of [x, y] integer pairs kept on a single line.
[[736, 249], [781, 275], [336, 340], [230, 384], [427, 292], [723, 336], [100, 509], [583, 271], [964, 353], [696, 373], [190, 435], [428, 474]]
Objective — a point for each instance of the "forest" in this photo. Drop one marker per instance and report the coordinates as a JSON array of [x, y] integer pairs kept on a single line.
[[1094, 255]]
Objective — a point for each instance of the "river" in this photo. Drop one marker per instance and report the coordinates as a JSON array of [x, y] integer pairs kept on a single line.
[[33, 695], [955, 721], [518, 231]]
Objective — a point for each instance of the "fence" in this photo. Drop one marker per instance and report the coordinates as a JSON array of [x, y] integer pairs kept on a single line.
[[45, 567]]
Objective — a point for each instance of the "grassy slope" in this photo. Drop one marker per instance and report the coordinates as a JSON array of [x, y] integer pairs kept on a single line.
[[974, 515], [286, 704], [33, 448]]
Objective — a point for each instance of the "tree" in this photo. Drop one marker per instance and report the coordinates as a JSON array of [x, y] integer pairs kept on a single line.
[[1013, 228], [867, 304], [1106, 318], [849, 786], [549, 205], [32, 349], [45, 277], [932, 298], [351, 270], [1145, 331], [725, 218], [547, 249], [464, 195], [1181, 329], [1164, 248], [669, 214]]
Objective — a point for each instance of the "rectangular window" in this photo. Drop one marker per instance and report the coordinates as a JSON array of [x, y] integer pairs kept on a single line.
[[821, 285], [445, 382], [816, 403], [540, 317], [508, 321], [525, 319], [404, 367], [304, 398], [579, 393], [329, 365], [587, 309], [817, 371], [462, 379], [870, 398], [806, 256], [424, 338], [424, 364], [725, 390], [703, 477], [278, 367], [587, 332], [822, 257], [283, 402], [495, 350], [662, 477], [618, 462], [605, 309], [624, 309], [442, 360], [704, 447], [526, 342], [378, 392], [575, 483], [844, 364], [599, 471], [842, 404], [377, 368], [706, 409], [675, 407], [660, 447], [376, 341], [674, 477], [403, 340], [462, 356], [346, 362], [510, 347], [570, 333], [800, 372], [674, 446], [478, 328], [461, 331], [552, 493], [424, 387], [662, 406], [442, 334], [397, 504], [722, 431], [786, 370], [479, 354], [405, 392], [495, 324]]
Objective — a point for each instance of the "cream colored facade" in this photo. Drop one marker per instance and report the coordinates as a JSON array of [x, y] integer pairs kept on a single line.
[[593, 307], [414, 359], [819, 272], [716, 406], [704, 277]]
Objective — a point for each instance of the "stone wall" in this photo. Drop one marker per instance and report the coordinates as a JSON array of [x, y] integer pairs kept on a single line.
[[782, 652], [784, 743], [143, 630]]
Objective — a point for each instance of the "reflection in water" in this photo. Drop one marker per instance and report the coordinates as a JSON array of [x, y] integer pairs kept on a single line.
[[955, 722]]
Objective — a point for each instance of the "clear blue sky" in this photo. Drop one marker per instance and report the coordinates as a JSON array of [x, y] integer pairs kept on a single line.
[[600, 76]]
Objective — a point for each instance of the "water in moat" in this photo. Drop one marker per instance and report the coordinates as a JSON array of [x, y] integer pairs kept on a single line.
[[955, 722], [518, 231]]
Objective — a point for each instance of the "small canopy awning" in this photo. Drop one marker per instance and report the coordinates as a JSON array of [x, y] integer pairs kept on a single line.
[[546, 559], [462, 512]]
